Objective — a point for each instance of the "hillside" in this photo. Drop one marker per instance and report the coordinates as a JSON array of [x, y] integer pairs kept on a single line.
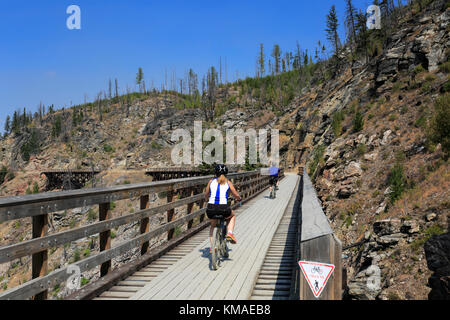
[[373, 137]]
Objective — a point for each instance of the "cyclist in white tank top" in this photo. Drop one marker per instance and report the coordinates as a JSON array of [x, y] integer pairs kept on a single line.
[[217, 196], [218, 193]]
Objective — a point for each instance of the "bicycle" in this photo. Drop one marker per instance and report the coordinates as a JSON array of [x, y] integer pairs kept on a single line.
[[220, 247], [220, 244], [273, 193]]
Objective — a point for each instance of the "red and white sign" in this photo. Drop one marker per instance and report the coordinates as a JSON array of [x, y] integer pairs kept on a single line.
[[317, 275]]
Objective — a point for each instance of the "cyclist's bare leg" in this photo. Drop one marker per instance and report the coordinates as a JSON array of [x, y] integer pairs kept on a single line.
[[231, 222]]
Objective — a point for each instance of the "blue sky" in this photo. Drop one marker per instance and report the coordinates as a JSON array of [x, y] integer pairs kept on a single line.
[[42, 60]]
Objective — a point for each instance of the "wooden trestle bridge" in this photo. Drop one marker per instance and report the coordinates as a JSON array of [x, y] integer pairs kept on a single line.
[[273, 236]]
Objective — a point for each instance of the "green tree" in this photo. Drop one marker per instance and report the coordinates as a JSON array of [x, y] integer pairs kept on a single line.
[[56, 128], [192, 83], [139, 78], [261, 61], [350, 21], [362, 34], [15, 125], [211, 83], [276, 54], [332, 29], [31, 146], [7, 124]]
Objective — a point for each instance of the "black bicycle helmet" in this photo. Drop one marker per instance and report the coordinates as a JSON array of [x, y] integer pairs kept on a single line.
[[221, 169]]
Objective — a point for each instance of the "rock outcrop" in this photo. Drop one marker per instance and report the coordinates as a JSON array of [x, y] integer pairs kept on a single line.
[[437, 251]]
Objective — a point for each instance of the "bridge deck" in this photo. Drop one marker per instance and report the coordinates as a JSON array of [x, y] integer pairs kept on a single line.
[[190, 276]]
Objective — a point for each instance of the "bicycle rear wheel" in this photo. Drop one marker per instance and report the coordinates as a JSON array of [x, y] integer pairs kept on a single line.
[[224, 246], [216, 249]]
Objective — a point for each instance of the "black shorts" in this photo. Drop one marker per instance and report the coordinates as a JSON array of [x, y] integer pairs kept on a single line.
[[218, 211], [273, 180]]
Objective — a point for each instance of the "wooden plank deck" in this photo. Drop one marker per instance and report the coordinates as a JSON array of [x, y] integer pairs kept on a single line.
[[275, 277], [191, 277]]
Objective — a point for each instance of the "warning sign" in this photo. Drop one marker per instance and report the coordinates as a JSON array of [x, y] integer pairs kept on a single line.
[[317, 275]]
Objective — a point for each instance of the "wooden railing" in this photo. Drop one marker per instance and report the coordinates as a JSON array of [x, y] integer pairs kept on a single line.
[[316, 242], [189, 191]]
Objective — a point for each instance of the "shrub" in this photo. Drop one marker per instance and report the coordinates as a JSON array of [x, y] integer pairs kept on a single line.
[[361, 149], [418, 69], [446, 87], [35, 187], [76, 255], [348, 221], [397, 182], [445, 67], [108, 148], [426, 88], [337, 123], [393, 296], [418, 244], [404, 109], [84, 281], [430, 77], [92, 215], [421, 122], [434, 230], [317, 157], [358, 122], [396, 87], [3, 173], [440, 123], [156, 145]]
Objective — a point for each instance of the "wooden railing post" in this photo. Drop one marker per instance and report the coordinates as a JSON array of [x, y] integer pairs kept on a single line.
[[202, 205], [145, 225], [40, 259], [105, 237], [190, 206], [170, 214]]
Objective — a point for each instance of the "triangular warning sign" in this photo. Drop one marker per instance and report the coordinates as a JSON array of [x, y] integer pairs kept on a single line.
[[317, 275]]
